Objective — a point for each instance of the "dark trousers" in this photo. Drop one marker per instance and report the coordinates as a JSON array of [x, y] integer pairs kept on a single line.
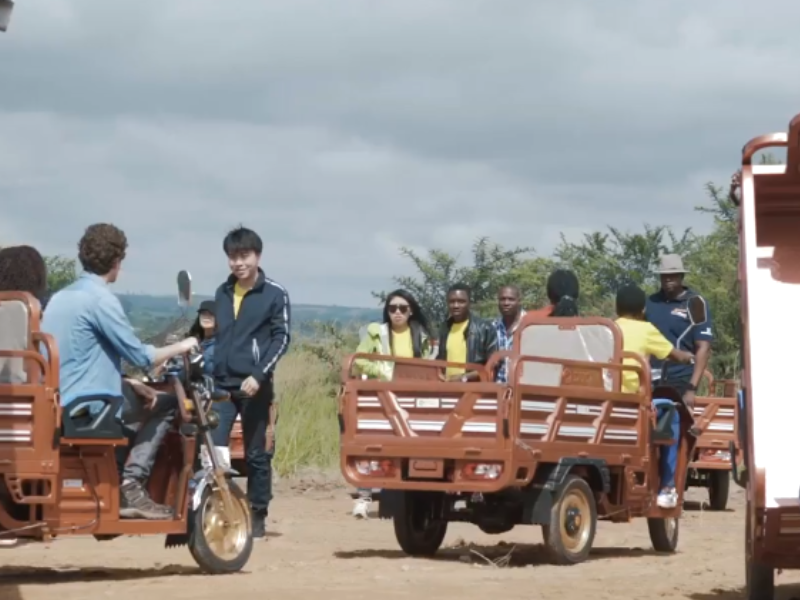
[[255, 419]]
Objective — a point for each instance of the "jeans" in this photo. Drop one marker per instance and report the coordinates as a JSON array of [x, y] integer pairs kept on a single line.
[[145, 427], [668, 456], [255, 419]]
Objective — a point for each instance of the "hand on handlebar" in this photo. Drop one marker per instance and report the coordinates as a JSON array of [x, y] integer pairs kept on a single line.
[[190, 344]]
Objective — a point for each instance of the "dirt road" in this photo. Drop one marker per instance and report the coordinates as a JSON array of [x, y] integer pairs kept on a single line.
[[316, 547]]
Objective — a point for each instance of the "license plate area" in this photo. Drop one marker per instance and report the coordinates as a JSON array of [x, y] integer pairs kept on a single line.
[[425, 468]]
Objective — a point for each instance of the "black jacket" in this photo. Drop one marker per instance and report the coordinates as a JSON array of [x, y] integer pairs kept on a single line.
[[481, 340], [252, 343]]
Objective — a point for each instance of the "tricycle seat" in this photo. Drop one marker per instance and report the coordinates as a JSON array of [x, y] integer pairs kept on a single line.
[[93, 417]]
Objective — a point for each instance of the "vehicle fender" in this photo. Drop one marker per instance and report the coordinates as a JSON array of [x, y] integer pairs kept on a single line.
[[201, 480], [551, 477]]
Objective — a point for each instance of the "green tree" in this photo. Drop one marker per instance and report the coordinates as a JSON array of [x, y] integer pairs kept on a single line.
[[605, 261], [61, 272], [492, 266]]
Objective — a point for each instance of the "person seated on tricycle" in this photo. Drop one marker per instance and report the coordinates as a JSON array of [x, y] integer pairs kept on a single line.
[[22, 269], [93, 335], [643, 338]]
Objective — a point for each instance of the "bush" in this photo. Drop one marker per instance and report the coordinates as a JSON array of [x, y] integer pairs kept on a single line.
[[307, 384]]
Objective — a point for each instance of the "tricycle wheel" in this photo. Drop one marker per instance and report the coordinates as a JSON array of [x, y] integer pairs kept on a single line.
[[417, 526], [664, 534], [719, 485], [569, 536], [760, 579], [221, 543]]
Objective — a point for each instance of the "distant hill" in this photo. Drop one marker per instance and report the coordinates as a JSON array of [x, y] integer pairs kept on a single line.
[[150, 314]]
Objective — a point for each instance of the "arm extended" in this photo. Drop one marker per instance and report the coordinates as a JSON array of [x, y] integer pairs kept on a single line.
[[113, 324]]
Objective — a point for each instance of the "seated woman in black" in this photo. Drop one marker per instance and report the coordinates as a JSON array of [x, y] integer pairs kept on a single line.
[[563, 290]]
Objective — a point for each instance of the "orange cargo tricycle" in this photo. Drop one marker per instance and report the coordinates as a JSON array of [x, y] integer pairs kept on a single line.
[[559, 446], [769, 273], [59, 475], [716, 415]]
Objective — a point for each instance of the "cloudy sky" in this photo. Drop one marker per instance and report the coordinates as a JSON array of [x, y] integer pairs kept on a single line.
[[344, 129]]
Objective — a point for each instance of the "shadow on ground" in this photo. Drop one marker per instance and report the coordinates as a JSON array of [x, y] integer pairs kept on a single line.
[[789, 591], [692, 505], [10, 577], [510, 555]]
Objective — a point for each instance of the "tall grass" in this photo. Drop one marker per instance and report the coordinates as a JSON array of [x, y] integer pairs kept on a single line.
[[307, 382], [307, 429]]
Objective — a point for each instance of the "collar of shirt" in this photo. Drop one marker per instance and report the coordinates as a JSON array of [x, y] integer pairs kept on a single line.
[[506, 335]]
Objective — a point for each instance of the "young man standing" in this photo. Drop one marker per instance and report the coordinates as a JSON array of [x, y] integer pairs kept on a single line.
[[668, 310], [253, 319], [465, 338], [511, 313]]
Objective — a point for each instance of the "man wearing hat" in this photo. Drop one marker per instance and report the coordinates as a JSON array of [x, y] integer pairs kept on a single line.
[[668, 311]]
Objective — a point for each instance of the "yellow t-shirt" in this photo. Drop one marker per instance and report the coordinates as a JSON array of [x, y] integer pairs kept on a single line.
[[238, 295], [641, 337], [457, 347], [402, 346]]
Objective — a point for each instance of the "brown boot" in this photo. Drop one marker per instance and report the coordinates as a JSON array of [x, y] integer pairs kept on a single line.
[[135, 503]]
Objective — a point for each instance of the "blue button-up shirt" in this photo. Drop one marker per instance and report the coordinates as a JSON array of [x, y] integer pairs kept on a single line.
[[505, 341], [671, 318], [93, 335]]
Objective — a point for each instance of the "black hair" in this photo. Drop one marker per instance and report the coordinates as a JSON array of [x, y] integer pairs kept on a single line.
[[196, 330], [563, 291], [460, 287], [22, 269], [510, 286], [631, 300], [242, 239], [417, 321]]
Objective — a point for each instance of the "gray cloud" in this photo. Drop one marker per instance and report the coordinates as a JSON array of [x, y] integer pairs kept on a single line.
[[342, 130]]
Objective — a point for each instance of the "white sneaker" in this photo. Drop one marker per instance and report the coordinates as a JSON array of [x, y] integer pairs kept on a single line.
[[667, 498], [361, 508]]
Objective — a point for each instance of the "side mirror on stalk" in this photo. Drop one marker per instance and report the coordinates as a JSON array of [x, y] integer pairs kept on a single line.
[[6, 8], [184, 289], [698, 314]]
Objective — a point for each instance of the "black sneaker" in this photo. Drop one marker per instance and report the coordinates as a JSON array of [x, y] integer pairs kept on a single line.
[[135, 503], [259, 524]]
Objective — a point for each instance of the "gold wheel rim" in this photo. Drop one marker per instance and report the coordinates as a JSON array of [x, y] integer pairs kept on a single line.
[[575, 521], [670, 525], [226, 535]]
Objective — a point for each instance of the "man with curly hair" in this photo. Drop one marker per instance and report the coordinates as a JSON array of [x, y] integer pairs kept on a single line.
[[93, 336]]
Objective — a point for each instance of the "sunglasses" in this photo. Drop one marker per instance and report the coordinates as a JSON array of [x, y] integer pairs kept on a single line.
[[401, 308]]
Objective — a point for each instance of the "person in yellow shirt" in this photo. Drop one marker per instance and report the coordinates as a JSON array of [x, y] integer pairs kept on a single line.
[[464, 337], [643, 338], [404, 332]]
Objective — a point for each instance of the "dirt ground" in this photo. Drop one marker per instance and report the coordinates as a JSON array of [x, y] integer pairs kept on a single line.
[[315, 546]]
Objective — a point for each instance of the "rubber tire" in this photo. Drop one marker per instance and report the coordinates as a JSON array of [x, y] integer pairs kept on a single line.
[[760, 579], [660, 537], [557, 553], [201, 551], [719, 485], [414, 541]]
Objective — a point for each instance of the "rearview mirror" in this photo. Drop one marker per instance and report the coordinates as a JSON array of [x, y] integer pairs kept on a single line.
[[184, 289], [697, 310], [6, 7]]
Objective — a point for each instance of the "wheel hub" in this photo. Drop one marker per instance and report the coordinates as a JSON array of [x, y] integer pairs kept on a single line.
[[573, 521], [226, 534]]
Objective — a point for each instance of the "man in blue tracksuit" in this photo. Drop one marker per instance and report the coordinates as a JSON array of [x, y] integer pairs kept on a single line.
[[253, 318]]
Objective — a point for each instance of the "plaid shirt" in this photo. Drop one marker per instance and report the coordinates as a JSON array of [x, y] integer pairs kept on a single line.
[[505, 341]]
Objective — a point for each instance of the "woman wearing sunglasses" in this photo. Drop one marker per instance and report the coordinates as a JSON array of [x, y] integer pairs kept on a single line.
[[404, 333]]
